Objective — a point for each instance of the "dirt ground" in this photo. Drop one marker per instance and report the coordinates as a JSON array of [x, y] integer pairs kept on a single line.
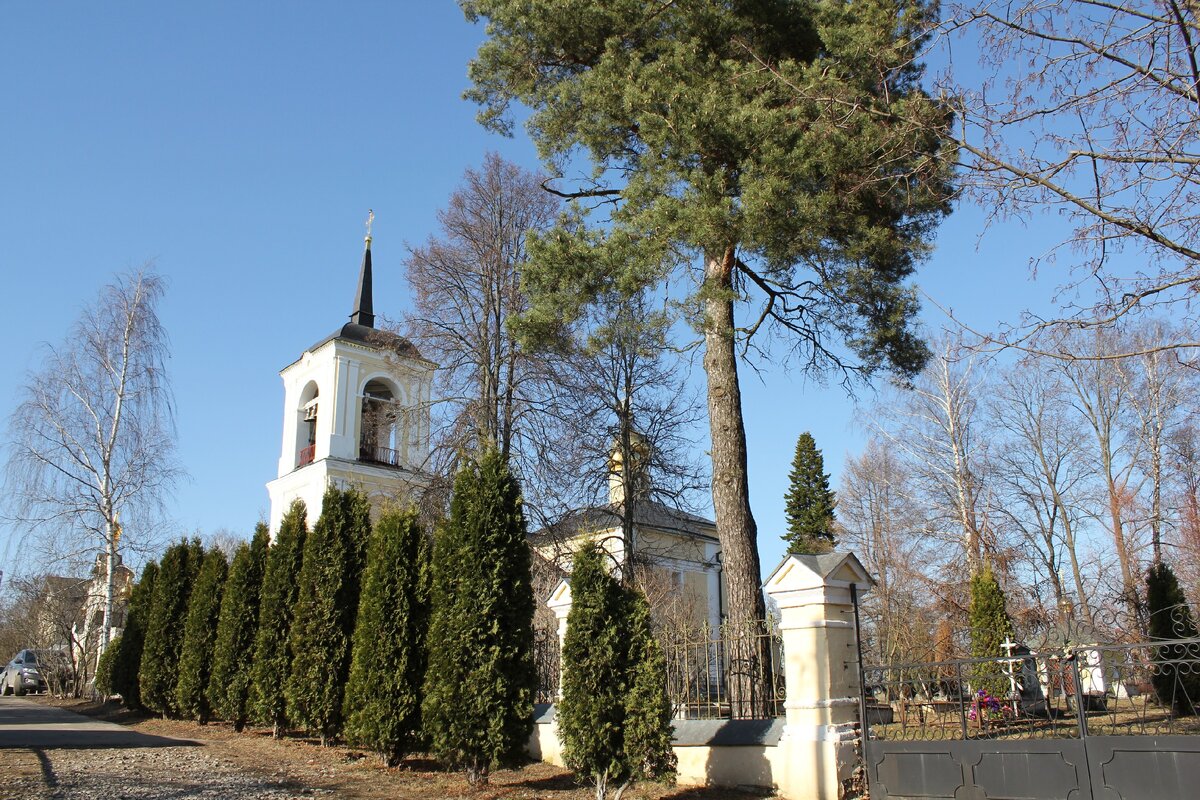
[[344, 772]]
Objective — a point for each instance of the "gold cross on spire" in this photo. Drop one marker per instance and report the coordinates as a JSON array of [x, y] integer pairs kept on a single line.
[[370, 219]]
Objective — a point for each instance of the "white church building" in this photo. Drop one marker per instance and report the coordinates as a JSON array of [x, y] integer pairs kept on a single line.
[[355, 414]]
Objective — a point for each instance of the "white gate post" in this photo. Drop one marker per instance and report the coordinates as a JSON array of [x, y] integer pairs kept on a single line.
[[820, 669]]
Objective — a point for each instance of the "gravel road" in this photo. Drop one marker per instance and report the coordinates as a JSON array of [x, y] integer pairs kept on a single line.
[[52, 753]]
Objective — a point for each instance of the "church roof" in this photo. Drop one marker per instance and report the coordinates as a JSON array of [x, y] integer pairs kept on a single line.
[[648, 514]]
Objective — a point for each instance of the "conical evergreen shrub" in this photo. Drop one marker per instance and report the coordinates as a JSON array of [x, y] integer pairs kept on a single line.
[[383, 697], [478, 706], [1176, 671], [990, 627], [326, 608], [127, 659], [229, 684], [199, 638], [272, 654], [103, 682], [809, 502], [159, 672], [614, 717]]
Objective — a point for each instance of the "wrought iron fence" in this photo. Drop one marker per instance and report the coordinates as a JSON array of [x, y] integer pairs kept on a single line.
[[546, 665], [724, 672], [1078, 690]]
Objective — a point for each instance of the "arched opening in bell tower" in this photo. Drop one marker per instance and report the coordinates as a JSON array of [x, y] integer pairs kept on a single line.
[[382, 432], [306, 425]]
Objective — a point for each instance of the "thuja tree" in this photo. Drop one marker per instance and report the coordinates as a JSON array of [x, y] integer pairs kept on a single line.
[[478, 707], [229, 685], [199, 638], [614, 717], [809, 502], [326, 607], [272, 654], [158, 674], [383, 697], [1176, 671], [786, 160], [990, 626], [128, 658]]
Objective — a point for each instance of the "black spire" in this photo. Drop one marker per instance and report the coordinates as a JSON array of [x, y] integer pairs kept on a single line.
[[364, 311]]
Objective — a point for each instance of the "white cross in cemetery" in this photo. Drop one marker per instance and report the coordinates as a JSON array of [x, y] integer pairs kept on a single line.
[[1009, 646]]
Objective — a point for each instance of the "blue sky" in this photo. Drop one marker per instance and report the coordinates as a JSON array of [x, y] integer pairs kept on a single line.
[[238, 146]]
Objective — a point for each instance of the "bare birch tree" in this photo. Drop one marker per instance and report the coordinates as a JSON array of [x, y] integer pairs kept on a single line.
[[1042, 473], [92, 441], [935, 425]]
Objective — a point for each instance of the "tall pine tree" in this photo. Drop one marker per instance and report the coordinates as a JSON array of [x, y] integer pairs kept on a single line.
[[383, 697], [1175, 677], [199, 637], [158, 674], [326, 607], [478, 706], [809, 501], [614, 718], [272, 653], [128, 658], [229, 685]]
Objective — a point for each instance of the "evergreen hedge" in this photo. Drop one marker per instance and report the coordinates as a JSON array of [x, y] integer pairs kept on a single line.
[[1176, 674], [158, 674], [326, 607], [478, 706], [614, 716], [272, 655], [383, 697], [229, 685], [990, 626], [127, 659], [199, 638]]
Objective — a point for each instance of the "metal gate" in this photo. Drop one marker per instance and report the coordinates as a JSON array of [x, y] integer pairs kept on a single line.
[[1081, 721]]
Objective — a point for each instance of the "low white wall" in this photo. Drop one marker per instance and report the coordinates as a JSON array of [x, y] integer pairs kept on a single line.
[[746, 766]]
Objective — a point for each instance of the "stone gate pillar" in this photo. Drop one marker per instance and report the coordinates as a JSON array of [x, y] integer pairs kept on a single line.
[[820, 659]]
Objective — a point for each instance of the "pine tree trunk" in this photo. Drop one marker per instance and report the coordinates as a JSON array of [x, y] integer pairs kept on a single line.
[[749, 654]]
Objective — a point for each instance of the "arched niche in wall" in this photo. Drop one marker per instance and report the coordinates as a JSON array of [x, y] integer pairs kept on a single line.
[[306, 424]]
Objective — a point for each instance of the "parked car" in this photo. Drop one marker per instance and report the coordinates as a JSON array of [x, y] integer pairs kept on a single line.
[[23, 674]]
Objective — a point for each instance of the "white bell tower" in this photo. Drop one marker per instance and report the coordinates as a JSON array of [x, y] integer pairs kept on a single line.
[[355, 414]]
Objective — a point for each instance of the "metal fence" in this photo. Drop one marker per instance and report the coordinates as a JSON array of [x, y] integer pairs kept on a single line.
[[546, 664], [1145, 688], [724, 672]]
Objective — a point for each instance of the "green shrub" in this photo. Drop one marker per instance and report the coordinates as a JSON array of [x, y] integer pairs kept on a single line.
[[128, 659], [614, 717], [272, 653], [1176, 675], [478, 705], [199, 638], [158, 674], [326, 607], [229, 684], [383, 697]]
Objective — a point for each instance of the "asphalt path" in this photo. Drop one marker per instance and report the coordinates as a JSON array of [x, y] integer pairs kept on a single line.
[[28, 724]]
